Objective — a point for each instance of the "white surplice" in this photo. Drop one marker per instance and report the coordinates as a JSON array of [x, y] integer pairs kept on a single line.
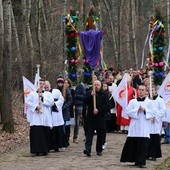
[[57, 117], [44, 118], [158, 109], [140, 122]]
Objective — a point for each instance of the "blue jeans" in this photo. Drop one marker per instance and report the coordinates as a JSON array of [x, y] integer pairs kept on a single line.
[[167, 134], [78, 112]]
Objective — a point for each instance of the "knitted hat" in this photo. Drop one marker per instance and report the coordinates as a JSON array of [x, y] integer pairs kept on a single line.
[[60, 78]]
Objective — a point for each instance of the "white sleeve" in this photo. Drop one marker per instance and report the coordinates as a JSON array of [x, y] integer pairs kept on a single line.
[[30, 102], [59, 103], [149, 110], [160, 112], [132, 109], [48, 99]]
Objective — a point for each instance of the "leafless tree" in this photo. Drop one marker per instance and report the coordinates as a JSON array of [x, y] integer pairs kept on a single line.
[[6, 85], [1, 53]]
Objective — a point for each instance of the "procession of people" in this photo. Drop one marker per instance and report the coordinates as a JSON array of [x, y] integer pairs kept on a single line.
[[50, 111]]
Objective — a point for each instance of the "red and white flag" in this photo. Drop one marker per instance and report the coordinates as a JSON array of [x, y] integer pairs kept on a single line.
[[27, 87], [164, 89], [121, 95]]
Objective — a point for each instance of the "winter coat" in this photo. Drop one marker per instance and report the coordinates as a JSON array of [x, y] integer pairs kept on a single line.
[[102, 104], [66, 106], [80, 95]]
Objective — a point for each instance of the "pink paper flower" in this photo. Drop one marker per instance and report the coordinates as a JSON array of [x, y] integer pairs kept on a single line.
[[72, 61], [156, 64], [161, 63]]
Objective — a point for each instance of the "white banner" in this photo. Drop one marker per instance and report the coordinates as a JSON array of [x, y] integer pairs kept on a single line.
[[166, 117], [164, 89], [27, 87], [121, 95]]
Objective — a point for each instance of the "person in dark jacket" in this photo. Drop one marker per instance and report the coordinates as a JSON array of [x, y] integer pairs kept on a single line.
[[66, 111], [136, 80], [80, 94], [96, 118], [69, 85]]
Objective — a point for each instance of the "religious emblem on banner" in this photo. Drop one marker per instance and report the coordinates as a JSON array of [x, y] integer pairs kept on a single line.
[[167, 104], [167, 88], [26, 91], [122, 93]]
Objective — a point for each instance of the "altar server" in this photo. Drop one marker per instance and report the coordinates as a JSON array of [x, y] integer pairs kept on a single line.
[[39, 103], [159, 108], [136, 145]]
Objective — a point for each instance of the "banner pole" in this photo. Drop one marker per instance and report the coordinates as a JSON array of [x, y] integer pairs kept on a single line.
[[150, 84], [94, 96]]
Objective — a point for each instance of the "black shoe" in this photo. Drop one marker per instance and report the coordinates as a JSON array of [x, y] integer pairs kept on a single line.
[[125, 131], [67, 144], [153, 159], [86, 152], [56, 150], [44, 154], [136, 164], [165, 143], [34, 154], [141, 166], [99, 153]]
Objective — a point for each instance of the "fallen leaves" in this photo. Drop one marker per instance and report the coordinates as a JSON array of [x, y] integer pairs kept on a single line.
[[19, 137]]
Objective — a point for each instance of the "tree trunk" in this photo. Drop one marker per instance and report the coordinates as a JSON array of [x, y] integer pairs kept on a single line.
[[24, 6], [81, 14], [134, 32], [51, 16], [112, 32], [29, 39], [126, 25], [64, 56], [44, 16], [139, 30], [119, 34], [168, 19], [6, 96], [39, 36], [1, 55], [18, 57]]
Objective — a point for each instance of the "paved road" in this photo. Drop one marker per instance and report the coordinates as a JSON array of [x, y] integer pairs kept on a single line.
[[73, 158]]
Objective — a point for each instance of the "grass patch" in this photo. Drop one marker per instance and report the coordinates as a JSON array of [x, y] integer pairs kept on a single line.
[[164, 165]]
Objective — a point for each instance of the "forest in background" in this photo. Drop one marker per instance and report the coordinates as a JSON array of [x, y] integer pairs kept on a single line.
[[33, 32]]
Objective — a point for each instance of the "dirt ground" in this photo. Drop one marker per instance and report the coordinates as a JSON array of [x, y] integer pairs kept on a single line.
[[72, 158]]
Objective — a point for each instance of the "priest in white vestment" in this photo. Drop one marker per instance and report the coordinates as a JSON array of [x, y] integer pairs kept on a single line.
[[57, 119], [159, 108], [136, 145], [39, 103]]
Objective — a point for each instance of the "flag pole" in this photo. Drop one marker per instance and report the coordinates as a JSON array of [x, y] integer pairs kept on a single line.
[[150, 84], [39, 90], [38, 73], [94, 96]]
